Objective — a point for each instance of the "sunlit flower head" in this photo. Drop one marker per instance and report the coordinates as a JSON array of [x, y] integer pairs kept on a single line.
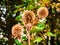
[[42, 12], [59, 0], [17, 31], [58, 5], [58, 10], [28, 17]]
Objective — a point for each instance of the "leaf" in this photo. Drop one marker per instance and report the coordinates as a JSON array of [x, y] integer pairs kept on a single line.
[[30, 7], [18, 18], [46, 26], [33, 30], [40, 26], [53, 10], [37, 29], [38, 39], [17, 42], [15, 11], [24, 38], [18, 6], [24, 3], [50, 34]]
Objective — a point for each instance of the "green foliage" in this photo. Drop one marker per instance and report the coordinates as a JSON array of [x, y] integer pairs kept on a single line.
[[17, 42], [24, 38], [30, 7], [18, 18], [53, 10], [50, 34], [40, 26], [47, 27], [33, 30], [18, 6], [38, 39]]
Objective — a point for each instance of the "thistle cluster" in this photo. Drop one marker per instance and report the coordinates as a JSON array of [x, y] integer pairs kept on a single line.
[[29, 19]]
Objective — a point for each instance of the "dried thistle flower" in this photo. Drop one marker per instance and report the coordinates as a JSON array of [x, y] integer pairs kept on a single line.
[[28, 17], [42, 12], [17, 31]]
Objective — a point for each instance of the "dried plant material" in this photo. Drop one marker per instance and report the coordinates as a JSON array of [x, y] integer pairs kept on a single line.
[[42, 12], [17, 31], [28, 17]]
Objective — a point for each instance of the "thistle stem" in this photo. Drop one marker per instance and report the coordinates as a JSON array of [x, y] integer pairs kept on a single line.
[[28, 35]]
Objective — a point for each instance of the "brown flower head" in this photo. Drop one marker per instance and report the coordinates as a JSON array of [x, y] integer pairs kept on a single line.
[[17, 31], [42, 12], [28, 17]]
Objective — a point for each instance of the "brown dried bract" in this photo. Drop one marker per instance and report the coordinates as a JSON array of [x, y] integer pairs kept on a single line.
[[42, 12], [17, 31], [28, 17]]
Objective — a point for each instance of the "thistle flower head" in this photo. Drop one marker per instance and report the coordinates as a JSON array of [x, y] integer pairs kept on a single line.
[[42, 12], [28, 17], [17, 31]]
